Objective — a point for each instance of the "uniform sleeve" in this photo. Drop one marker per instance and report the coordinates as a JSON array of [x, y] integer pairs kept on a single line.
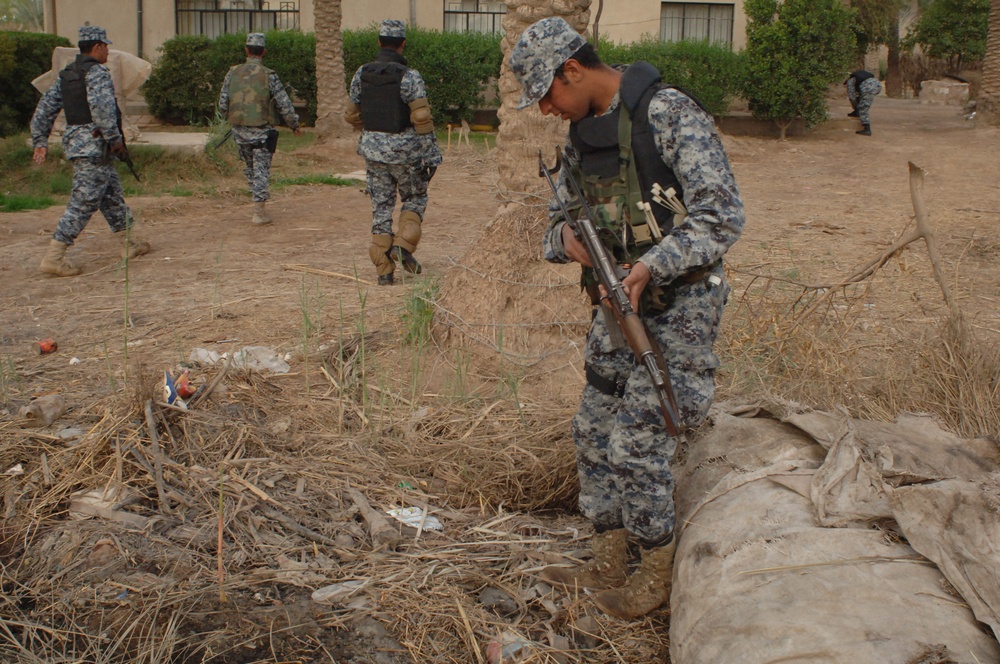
[[103, 107], [45, 115], [686, 137], [224, 95], [412, 87], [285, 106], [552, 244], [355, 90]]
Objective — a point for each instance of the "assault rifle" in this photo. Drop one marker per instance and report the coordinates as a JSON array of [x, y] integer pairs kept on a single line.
[[613, 298], [124, 156]]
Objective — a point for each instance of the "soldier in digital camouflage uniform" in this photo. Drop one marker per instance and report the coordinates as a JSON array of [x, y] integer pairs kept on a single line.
[[624, 452], [85, 91], [862, 86], [389, 105], [246, 101]]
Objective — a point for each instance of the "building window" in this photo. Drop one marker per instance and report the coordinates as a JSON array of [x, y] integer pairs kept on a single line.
[[219, 17], [474, 16], [690, 21]]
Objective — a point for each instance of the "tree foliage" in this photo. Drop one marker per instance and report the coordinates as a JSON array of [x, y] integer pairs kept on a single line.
[[795, 51], [876, 22], [952, 30], [24, 56]]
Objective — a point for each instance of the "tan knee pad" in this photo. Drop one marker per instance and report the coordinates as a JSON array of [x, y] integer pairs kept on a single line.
[[377, 252], [408, 236]]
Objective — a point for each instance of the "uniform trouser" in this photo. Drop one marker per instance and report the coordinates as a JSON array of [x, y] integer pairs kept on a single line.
[[96, 186], [257, 168], [384, 180], [861, 99], [623, 450]]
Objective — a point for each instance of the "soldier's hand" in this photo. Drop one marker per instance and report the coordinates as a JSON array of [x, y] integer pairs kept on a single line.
[[118, 149], [635, 282], [574, 248], [39, 156]]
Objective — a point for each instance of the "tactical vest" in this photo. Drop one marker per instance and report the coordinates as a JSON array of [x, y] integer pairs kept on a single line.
[[250, 95], [619, 163], [73, 83], [860, 77], [382, 109]]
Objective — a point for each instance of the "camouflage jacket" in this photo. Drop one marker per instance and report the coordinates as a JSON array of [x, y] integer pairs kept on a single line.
[[79, 140], [406, 147], [686, 138], [278, 94]]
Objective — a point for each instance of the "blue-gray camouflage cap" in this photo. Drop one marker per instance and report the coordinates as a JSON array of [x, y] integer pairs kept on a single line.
[[255, 39], [542, 49], [93, 33], [392, 27]]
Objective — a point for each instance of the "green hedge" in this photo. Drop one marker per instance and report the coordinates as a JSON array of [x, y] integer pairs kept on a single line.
[[711, 73], [24, 56], [184, 85]]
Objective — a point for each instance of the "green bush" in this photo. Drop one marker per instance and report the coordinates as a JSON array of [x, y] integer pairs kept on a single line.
[[710, 72], [184, 85], [795, 51], [24, 56], [952, 30]]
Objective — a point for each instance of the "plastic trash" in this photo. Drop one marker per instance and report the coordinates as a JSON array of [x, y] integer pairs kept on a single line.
[[412, 516], [337, 592], [43, 411], [203, 357], [260, 358]]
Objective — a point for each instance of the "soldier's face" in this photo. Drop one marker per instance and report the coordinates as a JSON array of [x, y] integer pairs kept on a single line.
[[564, 99], [100, 52]]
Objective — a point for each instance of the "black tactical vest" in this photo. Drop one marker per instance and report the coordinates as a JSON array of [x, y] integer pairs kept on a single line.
[[382, 109], [608, 159], [860, 77], [73, 82]]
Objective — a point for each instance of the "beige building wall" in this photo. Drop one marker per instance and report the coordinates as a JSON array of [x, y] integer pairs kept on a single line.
[[621, 20], [630, 20]]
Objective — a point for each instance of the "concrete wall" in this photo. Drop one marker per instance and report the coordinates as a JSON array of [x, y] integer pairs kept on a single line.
[[621, 20]]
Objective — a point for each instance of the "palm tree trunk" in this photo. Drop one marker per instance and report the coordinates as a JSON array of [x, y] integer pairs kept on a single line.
[[988, 102], [331, 87]]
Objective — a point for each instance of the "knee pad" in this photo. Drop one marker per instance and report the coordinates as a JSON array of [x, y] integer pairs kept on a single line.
[[408, 236], [377, 252]]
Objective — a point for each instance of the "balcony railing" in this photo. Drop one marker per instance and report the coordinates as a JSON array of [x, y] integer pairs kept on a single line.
[[219, 17]]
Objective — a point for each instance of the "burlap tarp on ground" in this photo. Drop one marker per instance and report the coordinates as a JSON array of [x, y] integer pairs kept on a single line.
[[811, 536]]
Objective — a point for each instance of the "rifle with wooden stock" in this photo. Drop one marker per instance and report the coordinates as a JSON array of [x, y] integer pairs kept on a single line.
[[614, 300]]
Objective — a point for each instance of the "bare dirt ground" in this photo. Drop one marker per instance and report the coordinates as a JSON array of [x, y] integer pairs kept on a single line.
[[818, 206]]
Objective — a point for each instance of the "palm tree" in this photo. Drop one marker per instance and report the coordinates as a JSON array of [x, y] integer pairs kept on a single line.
[[988, 102], [331, 89]]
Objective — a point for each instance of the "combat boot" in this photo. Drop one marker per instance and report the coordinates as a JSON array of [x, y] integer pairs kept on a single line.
[[132, 247], [865, 131], [608, 569], [260, 217], [55, 261], [647, 589], [380, 253], [406, 259], [853, 114]]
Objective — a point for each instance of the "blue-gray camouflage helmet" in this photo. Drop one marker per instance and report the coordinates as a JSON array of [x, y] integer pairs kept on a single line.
[[93, 33], [542, 48]]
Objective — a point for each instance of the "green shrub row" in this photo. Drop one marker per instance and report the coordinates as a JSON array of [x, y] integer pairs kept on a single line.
[[24, 56], [711, 73]]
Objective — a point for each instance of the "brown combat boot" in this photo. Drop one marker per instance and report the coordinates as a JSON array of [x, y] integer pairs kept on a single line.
[[608, 569], [55, 261], [260, 217], [132, 247], [647, 589]]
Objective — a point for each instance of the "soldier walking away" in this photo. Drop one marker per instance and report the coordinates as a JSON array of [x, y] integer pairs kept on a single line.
[[637, 149], [862, 86], [93, 135], [246, 100], [389, 105]]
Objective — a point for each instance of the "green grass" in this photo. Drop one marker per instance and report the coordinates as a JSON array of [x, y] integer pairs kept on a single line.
[[20, 202], [311, 179]]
